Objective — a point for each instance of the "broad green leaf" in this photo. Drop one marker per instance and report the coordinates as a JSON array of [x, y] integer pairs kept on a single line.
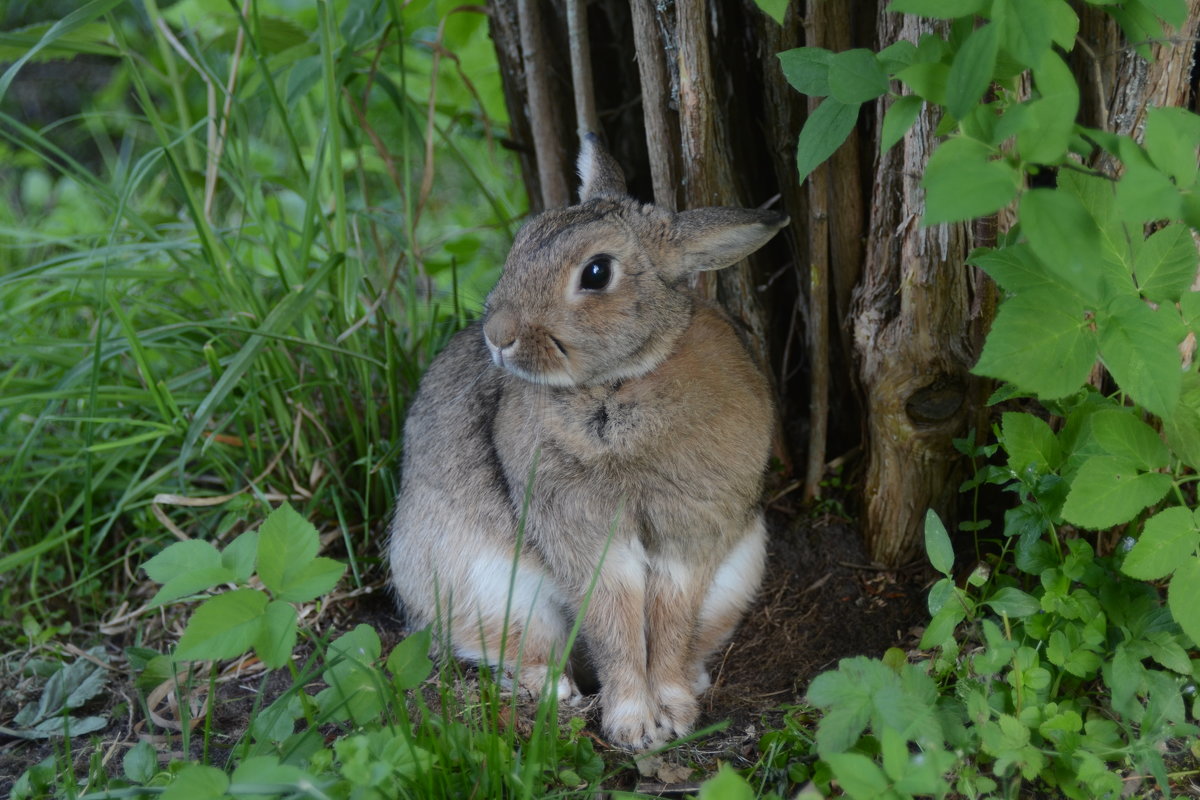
[[938, 9], [897, 120], [1041, 343], [858, 776], [1016, 269], [197, 782], [1124, 676], [941, 626], [1183, 598], [140, 762], [1172, 137], [287, 544], [927, 79], [1168, 539], [896, 56], [1110, 491], [277, 638], [186, 568], [855, 76], [1028, 440], [1189, 307], [1064, 24], [1166, 264], [355, 683], [1138, 346], [1172, 12], [824, 131], [1025, 29], [225, 626], [409, 660], [937, 543], [961, 181], [1064, 236], [1165, 648], [971, 71], [1138, 24], [726, 785], [1182, 426], [1013, 602], [1051, 122], [1122, 434], [1098, 196], [267, 770], [1144, 195], [775, 9], [311, 580], [240, 555], [807, 69]]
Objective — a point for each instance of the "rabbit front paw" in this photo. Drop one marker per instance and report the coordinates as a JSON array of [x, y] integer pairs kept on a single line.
[[677, 709], [634, 723]]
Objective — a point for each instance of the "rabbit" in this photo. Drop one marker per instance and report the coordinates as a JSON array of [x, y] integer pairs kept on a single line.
[[616, 423]]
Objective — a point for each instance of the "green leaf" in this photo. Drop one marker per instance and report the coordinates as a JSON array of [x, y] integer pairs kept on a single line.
[[1168, 539], [962, 182], [898, 119], [140, 762], [1051, 118], [1182, 426], [1016, 269], [1122, 434], [1064, 24], [937, 543], [938, 9], [197, 782], [355, 684], [287, 562], [277, 638], [858, 776], [896, 56], [807, 69], [1138, 345], [1025, 28], [1014, 603], [1041, 343], [239, 556], [824, 131], [971, 71], [409, 660], [267, 770], [186, 568], [726, 785], [1144, 194], [1109, 491], [1183, 598], [1172, 137], [225, 626], [1172, 12], [926, 79], [1166, 264], [1028, 440], [855, 76], [1189, 307], [1064, 237], [312, 580], [941, 626], [775, 9]]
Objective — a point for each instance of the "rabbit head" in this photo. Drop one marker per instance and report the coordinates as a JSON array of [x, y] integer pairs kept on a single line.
[[596, 292]]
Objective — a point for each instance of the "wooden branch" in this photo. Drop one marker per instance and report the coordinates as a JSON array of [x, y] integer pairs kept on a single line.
[[652, 73], [586, 120], [547, 140], [818, 321]]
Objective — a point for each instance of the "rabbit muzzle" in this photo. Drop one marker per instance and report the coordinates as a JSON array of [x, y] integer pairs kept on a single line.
[[530, 353]]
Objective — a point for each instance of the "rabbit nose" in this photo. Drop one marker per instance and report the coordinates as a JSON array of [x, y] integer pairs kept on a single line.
[[500, 331]]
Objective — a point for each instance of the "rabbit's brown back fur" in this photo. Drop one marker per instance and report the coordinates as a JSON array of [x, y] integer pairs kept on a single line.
[[644, 425]]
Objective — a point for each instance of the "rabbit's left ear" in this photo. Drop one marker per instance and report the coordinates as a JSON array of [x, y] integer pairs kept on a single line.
[[715, 238], [599, 173]]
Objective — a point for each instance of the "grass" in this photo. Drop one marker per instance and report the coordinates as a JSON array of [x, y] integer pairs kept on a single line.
[[221, 280]]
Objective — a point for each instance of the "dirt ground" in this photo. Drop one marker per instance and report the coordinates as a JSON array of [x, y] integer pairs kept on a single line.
[[821, 601]]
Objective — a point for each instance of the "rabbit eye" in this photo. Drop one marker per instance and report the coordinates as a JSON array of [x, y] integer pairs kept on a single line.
[[597, 274]]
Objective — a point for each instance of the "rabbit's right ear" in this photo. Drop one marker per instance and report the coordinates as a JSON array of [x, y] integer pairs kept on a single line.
[[599, 173], [715, 238]]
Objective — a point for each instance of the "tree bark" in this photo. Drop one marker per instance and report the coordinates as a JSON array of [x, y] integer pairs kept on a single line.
[[916, 341]]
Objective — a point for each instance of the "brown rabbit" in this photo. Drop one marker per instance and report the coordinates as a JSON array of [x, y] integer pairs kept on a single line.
[[620, 420]]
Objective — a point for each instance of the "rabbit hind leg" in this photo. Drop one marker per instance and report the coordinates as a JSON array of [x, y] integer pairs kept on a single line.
[[511, 621], [732, 590]]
